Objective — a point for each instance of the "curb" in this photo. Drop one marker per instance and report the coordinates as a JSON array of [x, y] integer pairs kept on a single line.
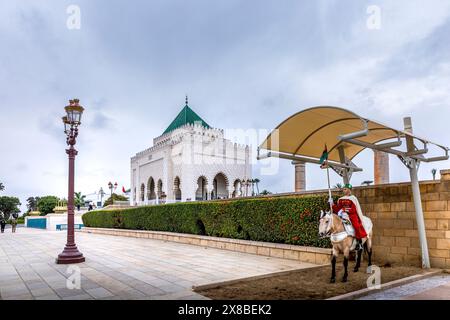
[[257, 277], [385, 286]]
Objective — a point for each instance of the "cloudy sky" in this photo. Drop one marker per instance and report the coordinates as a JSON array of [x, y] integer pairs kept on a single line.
[[244, 64]]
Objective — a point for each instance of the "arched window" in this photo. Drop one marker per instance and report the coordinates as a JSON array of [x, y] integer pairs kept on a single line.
[[220, 186], [159, 188], [151, 189], [201, 193]]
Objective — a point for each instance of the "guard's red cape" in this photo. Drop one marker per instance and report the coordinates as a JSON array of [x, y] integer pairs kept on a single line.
[[349, 206]]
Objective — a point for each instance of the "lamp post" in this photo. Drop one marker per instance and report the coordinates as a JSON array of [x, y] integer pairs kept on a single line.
[[71, 122], [112, 187]]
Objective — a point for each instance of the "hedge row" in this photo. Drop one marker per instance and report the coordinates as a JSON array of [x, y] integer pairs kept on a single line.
[[292, 220]]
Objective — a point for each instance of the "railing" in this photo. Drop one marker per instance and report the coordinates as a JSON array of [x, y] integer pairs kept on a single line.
[[60, 227]]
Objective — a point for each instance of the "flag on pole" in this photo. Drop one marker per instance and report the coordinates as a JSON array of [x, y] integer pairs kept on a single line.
[[324, 157]]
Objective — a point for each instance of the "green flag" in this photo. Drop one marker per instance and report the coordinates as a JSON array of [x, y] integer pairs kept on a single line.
[[324, 156]]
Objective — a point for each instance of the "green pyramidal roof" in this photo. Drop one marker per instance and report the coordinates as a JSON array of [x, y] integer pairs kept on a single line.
[[186, 115]]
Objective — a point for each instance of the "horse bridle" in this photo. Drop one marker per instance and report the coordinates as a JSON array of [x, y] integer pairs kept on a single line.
[[329, 223]]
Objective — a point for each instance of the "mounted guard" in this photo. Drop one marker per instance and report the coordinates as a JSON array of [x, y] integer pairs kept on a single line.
[[348, 208]]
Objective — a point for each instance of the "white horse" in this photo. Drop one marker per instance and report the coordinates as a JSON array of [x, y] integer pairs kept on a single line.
[[343, 241]]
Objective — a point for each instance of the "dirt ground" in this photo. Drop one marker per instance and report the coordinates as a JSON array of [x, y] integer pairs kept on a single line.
[[306, 284]]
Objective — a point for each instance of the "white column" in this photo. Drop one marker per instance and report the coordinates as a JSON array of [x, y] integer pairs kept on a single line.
[[416, 196]]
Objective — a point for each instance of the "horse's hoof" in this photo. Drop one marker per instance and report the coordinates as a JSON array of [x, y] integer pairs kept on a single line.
[[332, 280]]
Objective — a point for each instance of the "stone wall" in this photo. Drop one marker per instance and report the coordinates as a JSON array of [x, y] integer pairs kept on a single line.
[[392, 211], [275, 250]]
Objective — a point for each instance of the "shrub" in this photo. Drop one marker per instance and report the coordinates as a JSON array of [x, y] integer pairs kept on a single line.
[[292, 220], [115, 197]]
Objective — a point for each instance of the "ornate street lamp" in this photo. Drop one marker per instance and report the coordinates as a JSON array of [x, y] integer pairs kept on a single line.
[[112, 187], [71, 122]]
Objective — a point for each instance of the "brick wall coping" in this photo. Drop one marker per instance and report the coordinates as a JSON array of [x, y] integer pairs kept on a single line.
[[279, 250]]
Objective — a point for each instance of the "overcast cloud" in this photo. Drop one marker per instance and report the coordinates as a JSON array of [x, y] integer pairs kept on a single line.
[[244, 64]]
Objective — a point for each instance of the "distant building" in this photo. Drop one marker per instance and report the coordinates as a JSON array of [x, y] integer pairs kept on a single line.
[[189, 161]]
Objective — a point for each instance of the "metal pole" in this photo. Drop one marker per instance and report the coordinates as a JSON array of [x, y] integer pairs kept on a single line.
[[329, 189], [342, 159], [70, 253], [416, 196]]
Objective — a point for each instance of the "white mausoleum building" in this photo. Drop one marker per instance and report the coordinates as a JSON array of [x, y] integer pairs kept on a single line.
[[189, 161]]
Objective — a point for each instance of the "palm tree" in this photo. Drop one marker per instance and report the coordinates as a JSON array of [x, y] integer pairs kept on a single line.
[[32, 203], [252, 181], [2, 186], [433, 172], [265, 192], [338, 186], [79, 199], [256, 182]]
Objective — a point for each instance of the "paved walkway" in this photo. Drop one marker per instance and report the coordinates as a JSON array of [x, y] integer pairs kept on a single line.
[[120, 267], [433, 288]]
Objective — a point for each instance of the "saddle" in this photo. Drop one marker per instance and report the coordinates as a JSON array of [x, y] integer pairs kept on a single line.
[[349, 231]]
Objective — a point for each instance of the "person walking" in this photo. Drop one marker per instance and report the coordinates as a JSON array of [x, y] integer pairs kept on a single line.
[[14, 222], [2, 222]]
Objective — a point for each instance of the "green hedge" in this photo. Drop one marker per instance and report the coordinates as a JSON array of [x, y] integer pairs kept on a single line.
[[292, 220]]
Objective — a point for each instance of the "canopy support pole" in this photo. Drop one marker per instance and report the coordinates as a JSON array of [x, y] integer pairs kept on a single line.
[[345, 175], [413, 164]]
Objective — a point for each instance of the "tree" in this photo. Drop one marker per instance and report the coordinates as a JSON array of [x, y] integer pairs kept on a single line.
[[79, 199], [2, 186], [256, 180], [32, 203], [338, 186], [115, 197], [46, 204], [433, 172], [9, 205], [265, 192]]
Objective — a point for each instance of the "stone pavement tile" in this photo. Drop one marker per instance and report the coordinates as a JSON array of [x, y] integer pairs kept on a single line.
[[56, 282], [196, 296], [149, 290], [42, 292], [11, 283], [158, 283], [49, 297], [79, 297], [18, 297], [8, 291], [65, 292], [99, 293], [438, 293], [36, 285], [130, 294], [185, 284], [112, 298], [172, 288], [88, 284]]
